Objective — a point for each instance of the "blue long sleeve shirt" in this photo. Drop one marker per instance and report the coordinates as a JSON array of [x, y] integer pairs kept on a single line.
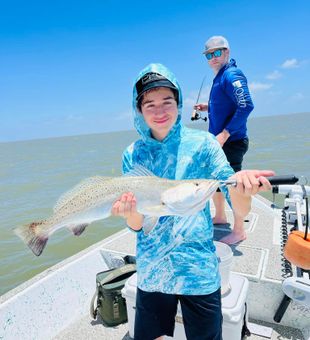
[[230, 102]]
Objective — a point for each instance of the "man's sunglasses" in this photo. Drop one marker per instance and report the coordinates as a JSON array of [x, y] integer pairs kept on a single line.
[[216, 53]]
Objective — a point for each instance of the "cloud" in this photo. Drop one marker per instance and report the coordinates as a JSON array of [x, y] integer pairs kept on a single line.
[[297, 96], [257, 86], [274, 75], [290, 63]]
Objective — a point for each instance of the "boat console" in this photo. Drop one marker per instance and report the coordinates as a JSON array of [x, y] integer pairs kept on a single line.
[[295, 247]]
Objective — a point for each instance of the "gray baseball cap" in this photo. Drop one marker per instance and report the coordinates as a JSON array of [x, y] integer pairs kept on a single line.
[[216, 41]]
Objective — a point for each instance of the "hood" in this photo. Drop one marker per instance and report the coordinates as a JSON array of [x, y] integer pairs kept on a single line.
[[232, 63], [139, 122]]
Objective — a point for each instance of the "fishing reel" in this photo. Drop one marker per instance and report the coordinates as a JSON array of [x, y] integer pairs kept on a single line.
[[196, 116]]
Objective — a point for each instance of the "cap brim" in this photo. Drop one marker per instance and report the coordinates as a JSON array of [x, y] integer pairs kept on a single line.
[[214, 48], [154, 84]]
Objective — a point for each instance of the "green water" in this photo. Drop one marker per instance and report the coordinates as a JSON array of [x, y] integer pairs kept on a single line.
[[33, 174]]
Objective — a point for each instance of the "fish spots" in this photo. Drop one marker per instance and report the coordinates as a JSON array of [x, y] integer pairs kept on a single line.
[[33, 225]]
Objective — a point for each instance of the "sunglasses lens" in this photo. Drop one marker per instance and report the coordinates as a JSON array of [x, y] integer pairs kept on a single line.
[[217, 53]]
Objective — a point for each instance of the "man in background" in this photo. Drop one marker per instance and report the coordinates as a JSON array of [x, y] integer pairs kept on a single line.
[[229, 106]]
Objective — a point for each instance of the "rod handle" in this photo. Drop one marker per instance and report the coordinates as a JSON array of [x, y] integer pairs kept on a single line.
[[284, 179], [195, 115]]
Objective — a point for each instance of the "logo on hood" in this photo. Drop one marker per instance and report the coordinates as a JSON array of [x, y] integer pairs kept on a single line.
[[150, 77]]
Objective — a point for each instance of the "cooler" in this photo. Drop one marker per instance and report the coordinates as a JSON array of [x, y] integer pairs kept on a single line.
[[225, 257], [233, 308]]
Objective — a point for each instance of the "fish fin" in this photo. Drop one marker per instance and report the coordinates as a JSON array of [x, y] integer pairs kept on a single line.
[[149, 223], [78, 229], [76, 190], [139, 170], [30, 235]]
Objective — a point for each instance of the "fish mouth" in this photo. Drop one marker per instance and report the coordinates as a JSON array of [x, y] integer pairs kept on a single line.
[[208, 189], [200, 189]]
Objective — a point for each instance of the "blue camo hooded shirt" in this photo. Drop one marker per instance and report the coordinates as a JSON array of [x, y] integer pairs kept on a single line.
[[178, 255]]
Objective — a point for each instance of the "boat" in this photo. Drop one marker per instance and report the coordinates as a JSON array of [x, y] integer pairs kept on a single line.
[[55, 303]]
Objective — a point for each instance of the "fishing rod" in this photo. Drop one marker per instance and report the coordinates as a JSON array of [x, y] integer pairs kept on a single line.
[[274, 180], [196, 114]]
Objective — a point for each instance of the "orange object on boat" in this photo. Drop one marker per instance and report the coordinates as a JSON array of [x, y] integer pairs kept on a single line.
[[297, 249]]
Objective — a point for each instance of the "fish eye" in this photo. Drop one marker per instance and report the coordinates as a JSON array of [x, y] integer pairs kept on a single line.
[[197, 184]]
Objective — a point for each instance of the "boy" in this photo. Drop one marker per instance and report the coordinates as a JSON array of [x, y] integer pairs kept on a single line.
[[176, 261]]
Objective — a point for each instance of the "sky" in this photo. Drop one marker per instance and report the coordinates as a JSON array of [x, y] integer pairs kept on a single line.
[[68, 67]]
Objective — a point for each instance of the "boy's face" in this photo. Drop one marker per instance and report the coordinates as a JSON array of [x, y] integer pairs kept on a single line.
[[160, 111]]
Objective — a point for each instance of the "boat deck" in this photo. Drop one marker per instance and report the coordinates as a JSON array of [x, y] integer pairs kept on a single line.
[[258, 258]]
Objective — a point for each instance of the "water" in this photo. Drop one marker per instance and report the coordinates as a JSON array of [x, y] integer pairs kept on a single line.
[[33, 174]]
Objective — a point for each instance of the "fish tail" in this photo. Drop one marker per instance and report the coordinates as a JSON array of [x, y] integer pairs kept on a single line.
[[32, 236]]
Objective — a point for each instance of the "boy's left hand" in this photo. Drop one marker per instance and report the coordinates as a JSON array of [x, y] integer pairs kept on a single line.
[[250, 182]]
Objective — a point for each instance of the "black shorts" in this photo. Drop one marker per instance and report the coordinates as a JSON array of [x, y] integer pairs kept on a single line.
[[235, 151], [156, 312]]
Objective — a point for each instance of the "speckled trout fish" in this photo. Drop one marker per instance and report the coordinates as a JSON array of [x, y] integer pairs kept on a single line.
[[93, 198]]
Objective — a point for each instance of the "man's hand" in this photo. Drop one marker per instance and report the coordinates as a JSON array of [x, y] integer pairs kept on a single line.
[[201, 107], [126, 207], [222, 137]]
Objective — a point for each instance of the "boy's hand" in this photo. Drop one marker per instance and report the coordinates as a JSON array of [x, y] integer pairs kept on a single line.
[[250, 182], [126, 207]]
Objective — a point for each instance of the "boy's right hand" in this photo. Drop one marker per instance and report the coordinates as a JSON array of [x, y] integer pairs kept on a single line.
[[201, 107]]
